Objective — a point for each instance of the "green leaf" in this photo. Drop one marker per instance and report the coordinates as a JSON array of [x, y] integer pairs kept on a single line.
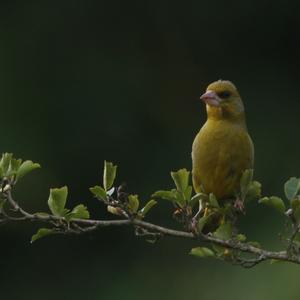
[[109, 175], [4, 162], [179, 196], [245, 182], [13, 167], [254, 191], [57, 201], [133, 203], [202, 222], [174, 196], [188, 193], [181, 179], [166, 195], [202, 252], [213, 201], [291, 187], [147, 207], [99, 192], [224, 231], [41, 233], [274, 202], [26, 167], [241, 237], [78, 212]]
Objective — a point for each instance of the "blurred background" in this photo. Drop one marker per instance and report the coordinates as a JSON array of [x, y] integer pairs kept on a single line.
[[84, 81]]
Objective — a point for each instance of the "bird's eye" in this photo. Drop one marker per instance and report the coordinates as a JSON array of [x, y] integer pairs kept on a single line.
[[224, 94]]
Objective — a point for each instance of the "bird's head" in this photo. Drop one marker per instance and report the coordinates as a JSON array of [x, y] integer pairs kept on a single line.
[[223, 100]]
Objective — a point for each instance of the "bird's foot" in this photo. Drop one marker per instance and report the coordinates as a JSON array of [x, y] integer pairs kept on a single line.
[[239, 205]]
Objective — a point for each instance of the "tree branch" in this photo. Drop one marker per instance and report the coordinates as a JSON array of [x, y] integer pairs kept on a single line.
[[79, 226]]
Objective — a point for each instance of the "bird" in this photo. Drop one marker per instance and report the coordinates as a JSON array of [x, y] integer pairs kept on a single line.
[[223, 149]]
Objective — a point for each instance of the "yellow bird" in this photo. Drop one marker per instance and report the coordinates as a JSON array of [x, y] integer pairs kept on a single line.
[[222, 149]]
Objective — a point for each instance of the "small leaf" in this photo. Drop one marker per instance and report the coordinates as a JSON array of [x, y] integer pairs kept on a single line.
[[291, 187], [99, 192], [174, 196], [181, 179], [274, 202], [13, 167], [166, 195], [26, 167], [133, 203], [78, 212], [188, 193], [109, 175], [41, 233], [245, 182], [254, 191], [4, 162], [202, 222], [147, 207], [213, 201], [202, 252], [180, 198], [57, 201], [224, 231], [241, 237]]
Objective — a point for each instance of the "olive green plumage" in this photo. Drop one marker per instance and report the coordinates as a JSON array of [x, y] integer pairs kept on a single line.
[[222, 149]]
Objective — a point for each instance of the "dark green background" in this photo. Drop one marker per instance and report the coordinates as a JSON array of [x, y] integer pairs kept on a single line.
[[84, 81]]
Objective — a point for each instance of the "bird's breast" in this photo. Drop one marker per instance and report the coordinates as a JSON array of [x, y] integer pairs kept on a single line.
[[221, 152]]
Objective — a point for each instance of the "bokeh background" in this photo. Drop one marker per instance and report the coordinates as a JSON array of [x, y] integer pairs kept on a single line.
[[84, 81]]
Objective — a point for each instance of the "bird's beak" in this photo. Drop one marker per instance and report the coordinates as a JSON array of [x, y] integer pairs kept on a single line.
[[211, 98]]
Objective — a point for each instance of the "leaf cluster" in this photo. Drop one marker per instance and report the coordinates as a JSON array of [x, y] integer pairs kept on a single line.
[[123, 204]]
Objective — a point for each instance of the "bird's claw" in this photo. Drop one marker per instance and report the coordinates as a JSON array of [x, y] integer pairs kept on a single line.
[[239, 205]]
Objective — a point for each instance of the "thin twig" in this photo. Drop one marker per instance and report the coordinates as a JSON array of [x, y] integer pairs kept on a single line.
[[296, 229]]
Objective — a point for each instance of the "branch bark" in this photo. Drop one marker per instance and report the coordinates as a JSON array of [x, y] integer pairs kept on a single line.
[[79, 226]]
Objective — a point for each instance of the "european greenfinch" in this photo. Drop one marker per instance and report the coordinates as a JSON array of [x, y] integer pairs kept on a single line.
[[222, 149]]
